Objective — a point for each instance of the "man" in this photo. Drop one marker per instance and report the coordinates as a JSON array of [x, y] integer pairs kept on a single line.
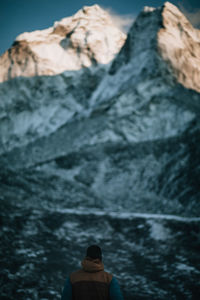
[[91, 282]]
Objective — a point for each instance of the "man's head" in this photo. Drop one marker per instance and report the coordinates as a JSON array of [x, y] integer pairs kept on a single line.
[[94, 252]]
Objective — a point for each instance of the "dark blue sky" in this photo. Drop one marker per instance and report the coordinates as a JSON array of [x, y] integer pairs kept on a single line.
[[18, 16]]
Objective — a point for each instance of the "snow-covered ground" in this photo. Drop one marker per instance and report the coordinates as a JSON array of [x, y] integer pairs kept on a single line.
[[152, 256]]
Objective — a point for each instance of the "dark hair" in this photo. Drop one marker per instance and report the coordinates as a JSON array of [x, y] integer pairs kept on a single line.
[[94, 251]]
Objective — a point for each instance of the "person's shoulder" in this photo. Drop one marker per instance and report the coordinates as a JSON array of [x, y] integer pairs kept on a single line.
[[108, 276], [114, 290]]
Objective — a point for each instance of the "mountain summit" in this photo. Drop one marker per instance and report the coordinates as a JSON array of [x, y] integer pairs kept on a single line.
[[179, 46], [160, 44], [90, 37], [85, 39]]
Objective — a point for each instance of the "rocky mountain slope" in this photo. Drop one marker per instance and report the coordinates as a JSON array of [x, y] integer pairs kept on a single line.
[[136, 118], [35, 103]]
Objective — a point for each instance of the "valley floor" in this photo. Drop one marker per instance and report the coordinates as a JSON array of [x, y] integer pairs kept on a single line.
[[153, 256]]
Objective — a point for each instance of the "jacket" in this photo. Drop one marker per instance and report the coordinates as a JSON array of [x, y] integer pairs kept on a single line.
[[91, 283]]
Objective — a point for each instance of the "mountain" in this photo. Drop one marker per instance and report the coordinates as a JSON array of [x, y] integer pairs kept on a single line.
[[36, 101], [136, 117], [85, 39], [163, 40], [99, 144], [138, 105]]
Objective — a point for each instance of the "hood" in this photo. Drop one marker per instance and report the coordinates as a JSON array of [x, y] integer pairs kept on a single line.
[[92, 265]]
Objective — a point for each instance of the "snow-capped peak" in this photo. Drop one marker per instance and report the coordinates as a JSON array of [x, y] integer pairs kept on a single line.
[[179, 46], [87, 38], [161, 44]]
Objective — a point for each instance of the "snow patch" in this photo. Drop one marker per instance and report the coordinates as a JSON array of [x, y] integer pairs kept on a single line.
[[158, 231]]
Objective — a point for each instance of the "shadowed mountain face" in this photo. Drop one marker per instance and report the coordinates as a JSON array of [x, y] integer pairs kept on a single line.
[[103, 150]]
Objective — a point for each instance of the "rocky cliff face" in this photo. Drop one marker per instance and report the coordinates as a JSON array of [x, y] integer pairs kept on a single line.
[[179, 46]]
